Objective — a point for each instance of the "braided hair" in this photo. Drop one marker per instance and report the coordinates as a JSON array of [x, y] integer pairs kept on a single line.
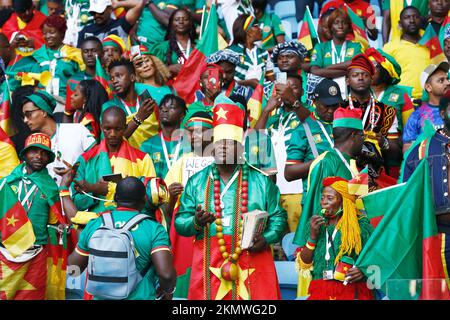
[[170, 35]]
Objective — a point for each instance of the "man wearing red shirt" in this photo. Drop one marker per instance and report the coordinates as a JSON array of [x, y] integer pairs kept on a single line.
[[23, 27]]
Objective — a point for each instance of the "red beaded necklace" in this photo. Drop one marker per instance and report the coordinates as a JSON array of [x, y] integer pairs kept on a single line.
[[229, 269]]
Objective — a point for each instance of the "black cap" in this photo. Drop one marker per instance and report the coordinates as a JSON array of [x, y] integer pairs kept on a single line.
[[328, 92], [21, 6]]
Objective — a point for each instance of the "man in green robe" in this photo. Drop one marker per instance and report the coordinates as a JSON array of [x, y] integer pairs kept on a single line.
[[223, 265]]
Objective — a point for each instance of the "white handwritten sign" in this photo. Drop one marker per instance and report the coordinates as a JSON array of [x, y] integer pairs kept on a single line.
[[193, 165]]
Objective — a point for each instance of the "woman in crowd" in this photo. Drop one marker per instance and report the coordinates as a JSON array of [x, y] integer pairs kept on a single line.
[[330, 59], [87, 99], [61, 60], [152, 74], [335, 238], [179, 41], [254, 61]]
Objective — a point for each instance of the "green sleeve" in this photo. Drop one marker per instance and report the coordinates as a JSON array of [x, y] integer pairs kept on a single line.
[[277, 221], [297, 146], [277, 26], [160, 236], [85, 235], [366, 230], [184, 218], [317, 56], [81, 201], [160, 50]]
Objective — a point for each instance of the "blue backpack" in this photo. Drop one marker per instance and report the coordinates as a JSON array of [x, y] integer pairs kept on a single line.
[[112, 272]]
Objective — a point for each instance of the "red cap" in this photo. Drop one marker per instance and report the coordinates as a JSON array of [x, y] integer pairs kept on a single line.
[[360, 61]]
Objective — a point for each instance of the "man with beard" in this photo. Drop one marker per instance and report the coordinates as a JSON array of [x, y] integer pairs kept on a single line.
[[167, 146], [91, 48], [412, 57], [114, 155], [231, 189], [379, 120], [141, 120], [33, 199]]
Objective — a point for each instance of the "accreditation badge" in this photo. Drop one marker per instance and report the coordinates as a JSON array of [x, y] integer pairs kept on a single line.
[[328, 275]]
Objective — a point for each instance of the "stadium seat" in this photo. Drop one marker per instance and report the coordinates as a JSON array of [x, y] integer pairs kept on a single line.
[[287, 279], [287, 29], [288, 247], [293, 26], [285, 9]]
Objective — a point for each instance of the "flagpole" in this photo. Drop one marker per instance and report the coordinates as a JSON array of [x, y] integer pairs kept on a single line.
[[201, 23]]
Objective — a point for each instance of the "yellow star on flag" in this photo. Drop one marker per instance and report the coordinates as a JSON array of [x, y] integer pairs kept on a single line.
[[227, 286], [13, 281], [12, 221], [221, 113]]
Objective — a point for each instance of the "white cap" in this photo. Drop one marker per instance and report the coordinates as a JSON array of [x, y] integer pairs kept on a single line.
[[443, 65], [99, 6]]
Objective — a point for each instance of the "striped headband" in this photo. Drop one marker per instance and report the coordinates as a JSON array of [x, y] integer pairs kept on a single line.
[[249, 22], [200, 122]]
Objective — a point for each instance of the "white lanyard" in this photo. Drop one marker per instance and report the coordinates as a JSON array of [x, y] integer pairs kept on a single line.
[[345, 162], [381, 95], [22, 183], [253, 55], [186, 52], [370, 109], [227, 186], [282, 123], [128, 109], [335, 58], [166, 154], [325, 133], [329, 244]]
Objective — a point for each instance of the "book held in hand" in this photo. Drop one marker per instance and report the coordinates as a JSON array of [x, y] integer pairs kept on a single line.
[[253, 225]]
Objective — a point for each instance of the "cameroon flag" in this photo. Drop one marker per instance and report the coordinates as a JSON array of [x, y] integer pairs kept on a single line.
[[407, 109], [16, 229], [102, 77], [5, 110], [207, 45], [8, 155], [358, 28], [406, 244], [308, 34], [254, 104], [431, 40]]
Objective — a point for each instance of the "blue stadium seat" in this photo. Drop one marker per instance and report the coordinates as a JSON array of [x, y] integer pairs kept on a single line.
[[288, 247], [287, 279], [285, 9], [292, 22], [287, 29]]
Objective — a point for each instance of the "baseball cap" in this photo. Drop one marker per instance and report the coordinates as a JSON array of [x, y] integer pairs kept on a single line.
[[38, 140], [99, 6], [428, 72], [328, 92]]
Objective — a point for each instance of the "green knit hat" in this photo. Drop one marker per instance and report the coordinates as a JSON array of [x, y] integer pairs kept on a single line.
[[43, 100]]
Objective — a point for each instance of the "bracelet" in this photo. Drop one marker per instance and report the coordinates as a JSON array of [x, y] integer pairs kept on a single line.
[[312, 241], [64, 193], [136, 120], [63, 188], [297, 104], [310, 246]]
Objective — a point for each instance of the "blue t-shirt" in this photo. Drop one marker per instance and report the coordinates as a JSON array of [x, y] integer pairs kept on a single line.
[[416, 121]]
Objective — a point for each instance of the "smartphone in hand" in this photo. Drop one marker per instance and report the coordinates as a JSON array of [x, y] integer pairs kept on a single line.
[[145, 95]]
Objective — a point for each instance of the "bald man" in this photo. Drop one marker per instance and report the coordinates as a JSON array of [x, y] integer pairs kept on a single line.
[[94, 187]]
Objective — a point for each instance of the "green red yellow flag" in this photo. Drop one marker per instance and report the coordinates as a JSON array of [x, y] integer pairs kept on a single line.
[[407, 109], [431, 40], [406, 244], [445, 26], [8, 155], [207, 45], [255, 103], [5, 110], [308, 35], [16, 230], [102, 77], [358, 28], [359, 185]]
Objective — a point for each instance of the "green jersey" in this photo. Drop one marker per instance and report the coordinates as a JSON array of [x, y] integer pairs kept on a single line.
[[324, 55], [256, 58], [421, 5], [271, 27], [148, 236]]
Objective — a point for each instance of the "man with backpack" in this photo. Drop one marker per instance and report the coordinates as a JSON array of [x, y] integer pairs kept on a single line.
[[127, 255]]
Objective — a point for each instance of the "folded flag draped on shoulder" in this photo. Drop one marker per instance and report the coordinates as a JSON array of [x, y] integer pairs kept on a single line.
[[358, 28], [308, 34], [431, 40], [407, 108], [207, 45], [444, 27], [102, 77], [406, 244]]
